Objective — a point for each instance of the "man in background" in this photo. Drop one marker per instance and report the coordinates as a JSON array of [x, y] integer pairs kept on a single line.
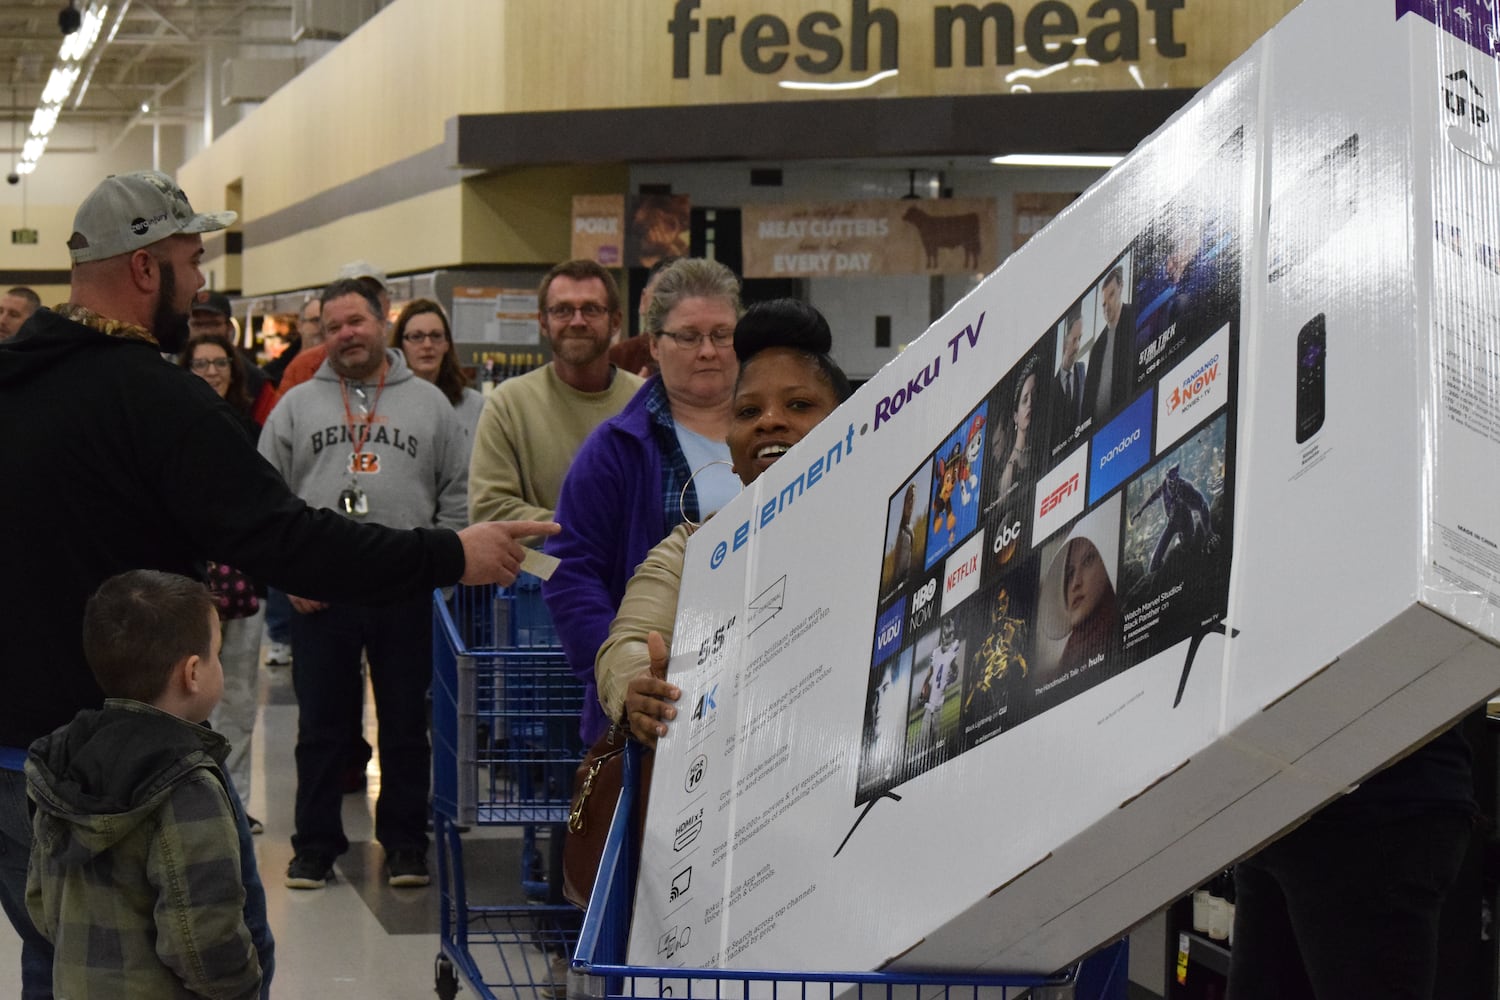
[[534, 424], [310, 358], [16, 307]]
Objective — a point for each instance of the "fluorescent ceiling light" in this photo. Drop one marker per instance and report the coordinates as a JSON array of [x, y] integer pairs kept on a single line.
[[59, 83], [70, 55], [851, 85], [77, 45], [1096, 161], [44, 118]]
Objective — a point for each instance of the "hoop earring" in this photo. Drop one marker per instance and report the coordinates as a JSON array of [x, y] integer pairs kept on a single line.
[[682, 496]]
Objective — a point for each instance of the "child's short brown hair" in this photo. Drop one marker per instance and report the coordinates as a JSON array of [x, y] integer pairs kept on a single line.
[[140, 624]]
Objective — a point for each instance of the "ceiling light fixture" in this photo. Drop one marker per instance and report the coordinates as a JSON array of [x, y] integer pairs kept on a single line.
[[80, 32]]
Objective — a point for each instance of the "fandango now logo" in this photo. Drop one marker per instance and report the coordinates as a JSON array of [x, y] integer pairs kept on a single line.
[[1193, 386], [1194, 389]]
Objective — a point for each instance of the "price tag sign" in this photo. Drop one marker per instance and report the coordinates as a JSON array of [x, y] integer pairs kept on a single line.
[[23, 236]]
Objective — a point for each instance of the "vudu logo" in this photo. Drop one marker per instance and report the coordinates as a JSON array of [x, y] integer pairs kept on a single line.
[[888, 630]]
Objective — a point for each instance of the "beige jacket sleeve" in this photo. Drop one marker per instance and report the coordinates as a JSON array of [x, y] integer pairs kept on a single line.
[[649, 605]]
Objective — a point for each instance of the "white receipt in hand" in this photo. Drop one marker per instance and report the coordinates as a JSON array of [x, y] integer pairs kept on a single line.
[[539, 564]]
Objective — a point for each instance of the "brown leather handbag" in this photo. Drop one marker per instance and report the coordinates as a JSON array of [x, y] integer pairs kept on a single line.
[[596, 790]]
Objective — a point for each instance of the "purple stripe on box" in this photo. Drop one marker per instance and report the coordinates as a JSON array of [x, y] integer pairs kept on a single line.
[[1474, 21]]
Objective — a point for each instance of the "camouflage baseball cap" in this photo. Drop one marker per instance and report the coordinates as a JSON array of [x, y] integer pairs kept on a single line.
[[129, 211]]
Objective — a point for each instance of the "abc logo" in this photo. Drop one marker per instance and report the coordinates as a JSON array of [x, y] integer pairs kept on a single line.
[[1006, 539]]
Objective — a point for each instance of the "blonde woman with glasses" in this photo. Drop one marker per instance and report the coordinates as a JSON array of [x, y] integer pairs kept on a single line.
[[661, 462]]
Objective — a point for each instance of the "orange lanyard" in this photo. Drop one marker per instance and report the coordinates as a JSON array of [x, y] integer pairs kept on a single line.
[[358, 439]]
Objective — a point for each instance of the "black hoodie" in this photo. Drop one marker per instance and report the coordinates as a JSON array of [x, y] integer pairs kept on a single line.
[[113, 459]]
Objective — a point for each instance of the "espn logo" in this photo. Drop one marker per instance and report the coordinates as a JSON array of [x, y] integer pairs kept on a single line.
[[1060, 495]]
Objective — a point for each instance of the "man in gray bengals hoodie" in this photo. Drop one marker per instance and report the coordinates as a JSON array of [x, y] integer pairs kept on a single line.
[[368, 439]]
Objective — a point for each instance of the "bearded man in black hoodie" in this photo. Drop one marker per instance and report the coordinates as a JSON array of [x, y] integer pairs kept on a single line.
[[115, 459]]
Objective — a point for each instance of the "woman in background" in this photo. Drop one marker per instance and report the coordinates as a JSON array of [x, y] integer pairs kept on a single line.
[[787, 384], [425, 338], [241, 601]]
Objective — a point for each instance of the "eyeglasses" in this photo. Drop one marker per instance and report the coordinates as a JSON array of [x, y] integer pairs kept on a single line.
[[201, 365], [590, 310], [690, 340], [431, 337]]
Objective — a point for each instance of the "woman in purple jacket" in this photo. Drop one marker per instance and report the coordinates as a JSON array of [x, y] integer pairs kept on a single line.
[[660, 462]]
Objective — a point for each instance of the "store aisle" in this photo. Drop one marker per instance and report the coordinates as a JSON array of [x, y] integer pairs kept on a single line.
[[358, 939]]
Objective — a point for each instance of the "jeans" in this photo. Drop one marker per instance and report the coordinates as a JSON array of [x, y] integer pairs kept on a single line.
[[1341, 909], [234, 717], [327, 677], [256, 921], [15, 855], [278, 616]]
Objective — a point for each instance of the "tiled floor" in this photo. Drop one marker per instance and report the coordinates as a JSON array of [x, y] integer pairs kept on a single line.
[[358, 939]]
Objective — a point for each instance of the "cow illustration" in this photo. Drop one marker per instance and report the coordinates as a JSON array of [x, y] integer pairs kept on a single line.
[[939, 231]]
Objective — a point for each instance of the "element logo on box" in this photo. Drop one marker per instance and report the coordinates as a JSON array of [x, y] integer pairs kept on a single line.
[[961, 572], [1122, 447], [681, 882], [1059, 495], [1193, 390], [695, 773], [889, 629], [687, 831]]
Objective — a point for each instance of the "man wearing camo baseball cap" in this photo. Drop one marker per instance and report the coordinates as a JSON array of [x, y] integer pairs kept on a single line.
[[130, 211], [114, 459], [136, 247]]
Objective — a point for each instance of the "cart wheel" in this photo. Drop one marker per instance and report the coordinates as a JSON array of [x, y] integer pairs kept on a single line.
[[446, 980]]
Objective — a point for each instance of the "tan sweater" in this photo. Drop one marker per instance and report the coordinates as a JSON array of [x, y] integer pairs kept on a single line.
[[531, 428], [650, 605]]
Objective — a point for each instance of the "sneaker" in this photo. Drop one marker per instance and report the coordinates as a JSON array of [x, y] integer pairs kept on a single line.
[[278, 654], [556, 988], [407, 868], [309, 871], [256, 826]]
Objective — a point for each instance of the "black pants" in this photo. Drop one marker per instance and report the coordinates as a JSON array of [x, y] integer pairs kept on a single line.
[[326, 675], [1341, 909]]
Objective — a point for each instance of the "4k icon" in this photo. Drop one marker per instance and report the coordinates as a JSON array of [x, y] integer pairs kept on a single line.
[[706, 703]]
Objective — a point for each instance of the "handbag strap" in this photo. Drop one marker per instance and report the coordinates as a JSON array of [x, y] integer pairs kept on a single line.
[[598, 756]]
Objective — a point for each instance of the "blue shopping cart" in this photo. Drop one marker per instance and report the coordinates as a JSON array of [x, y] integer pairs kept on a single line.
[[598, 971], [505, 746]]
